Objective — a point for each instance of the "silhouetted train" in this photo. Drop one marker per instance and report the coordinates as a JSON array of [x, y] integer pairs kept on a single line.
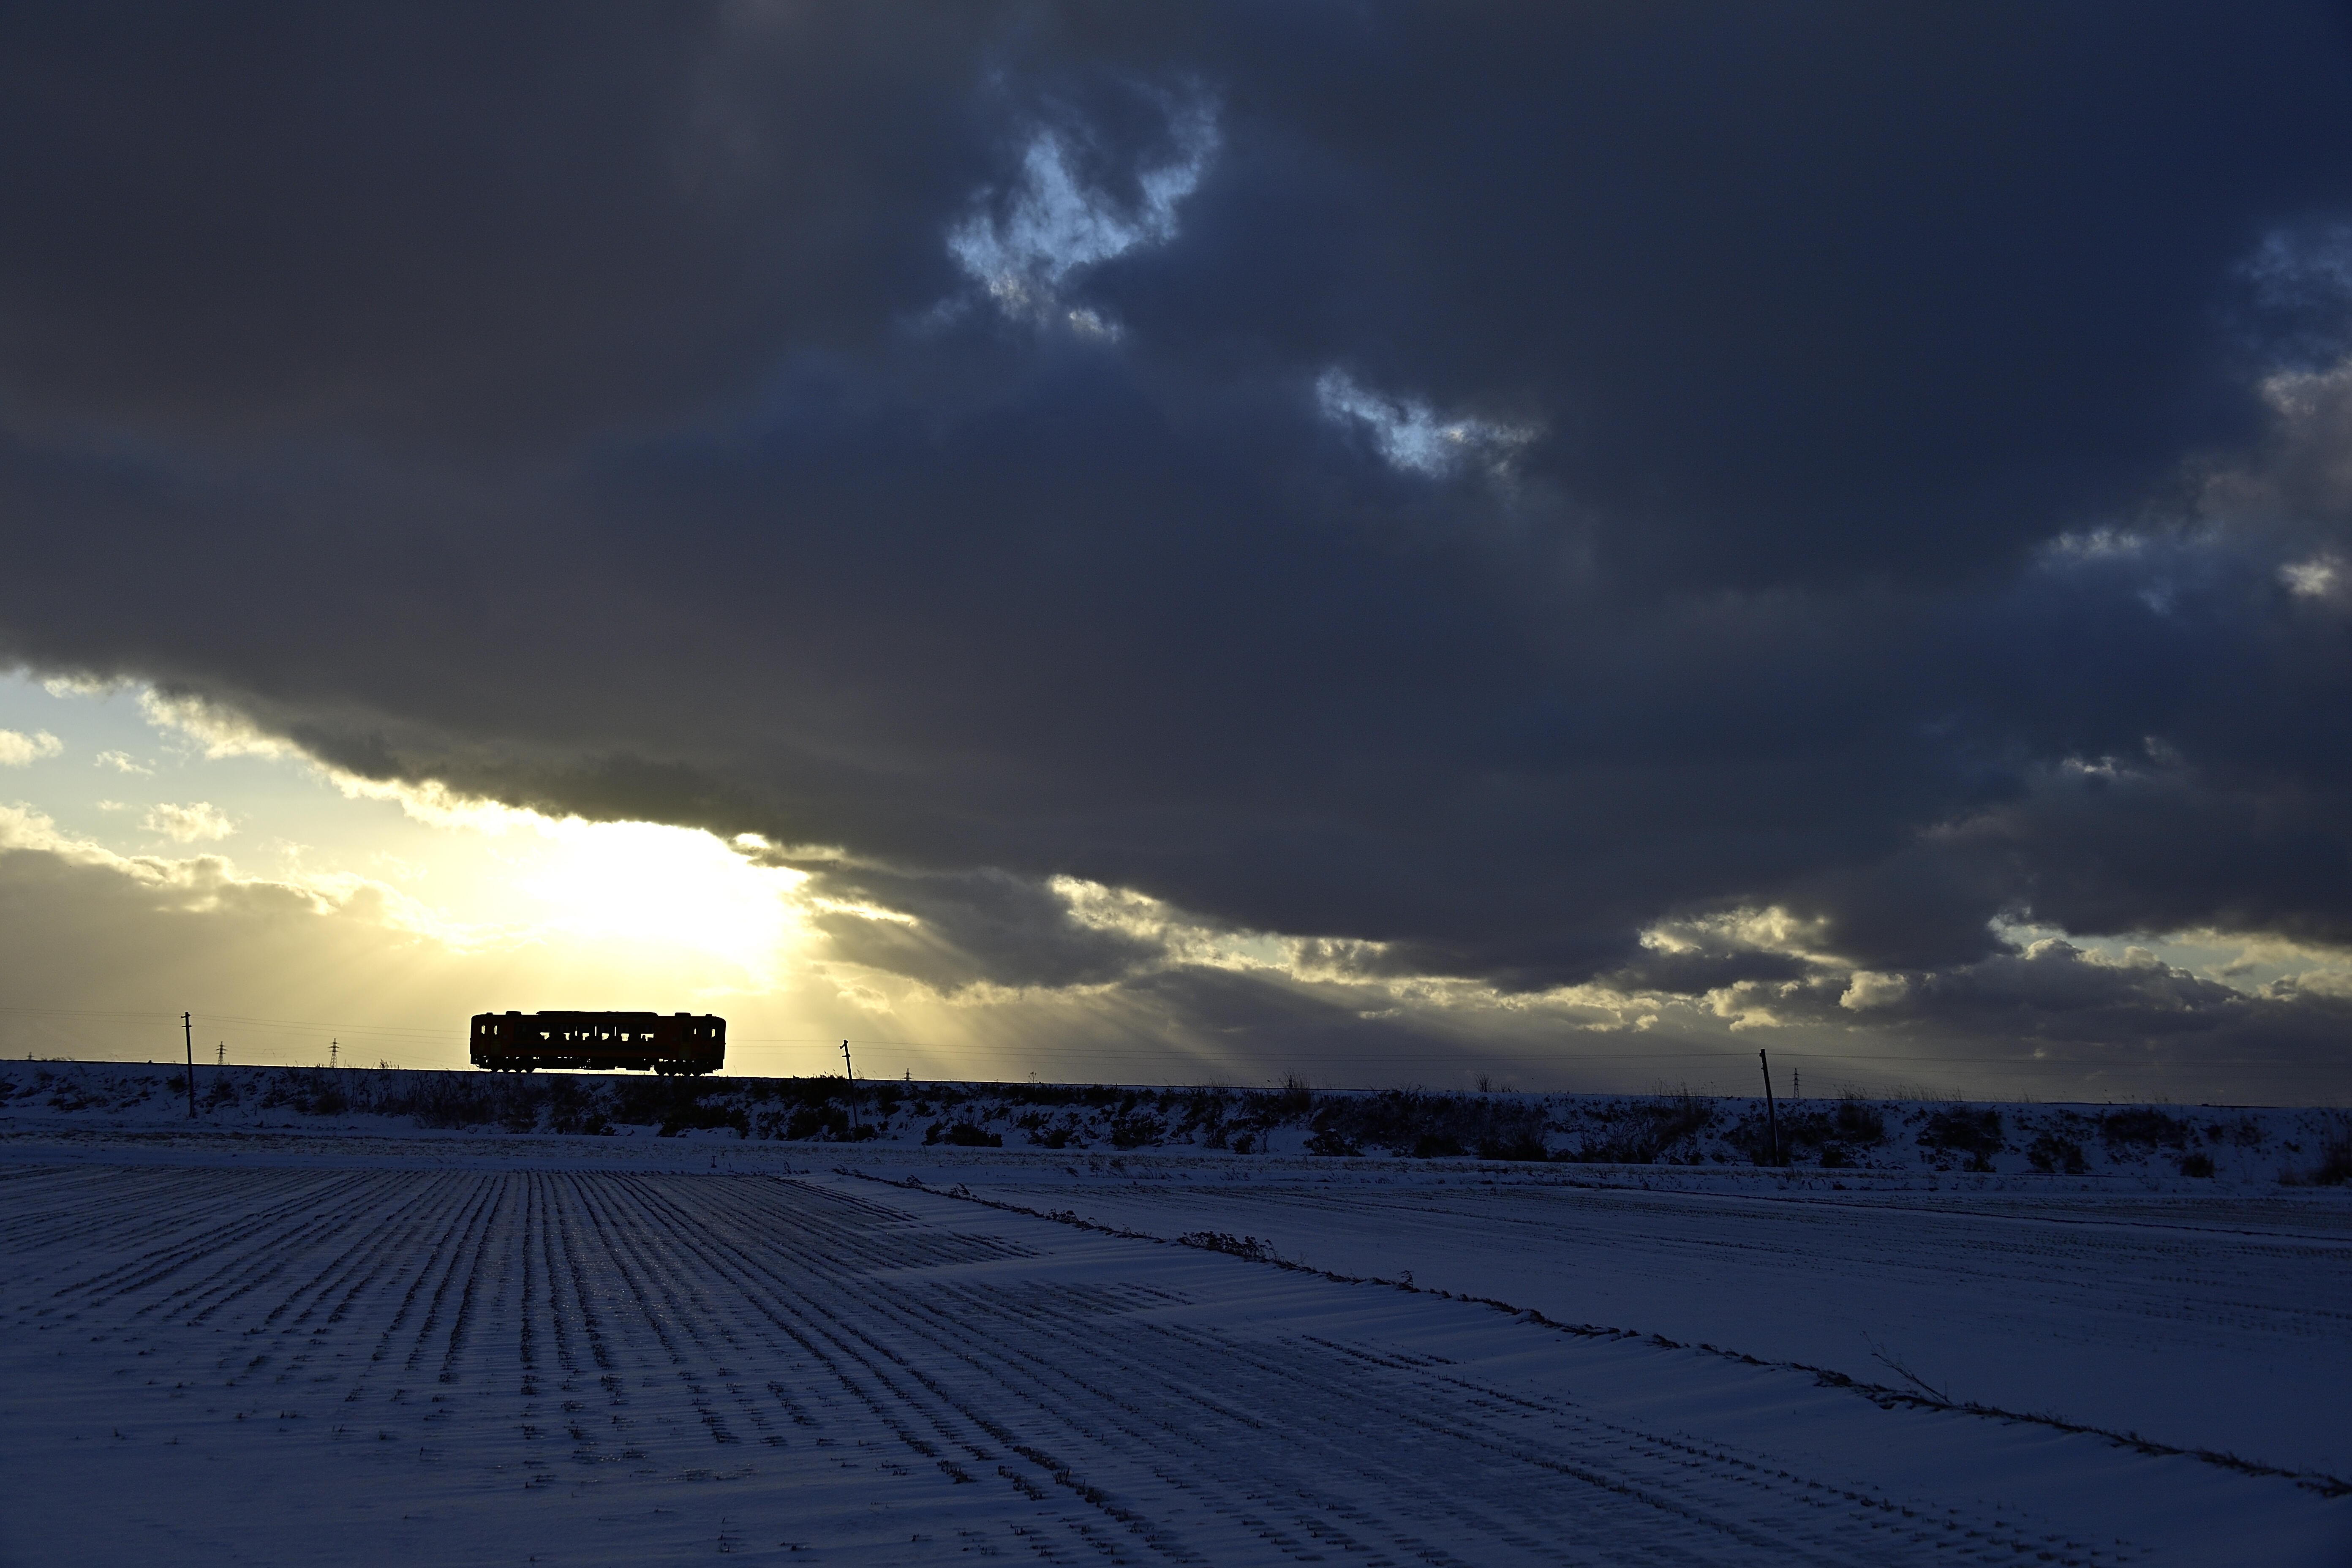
[[687, 1042]]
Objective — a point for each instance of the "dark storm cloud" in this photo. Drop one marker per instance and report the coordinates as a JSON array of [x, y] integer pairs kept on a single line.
[[982, 926], [1472, 483], [450, 227], [2059, 1002], [1253, 1019]]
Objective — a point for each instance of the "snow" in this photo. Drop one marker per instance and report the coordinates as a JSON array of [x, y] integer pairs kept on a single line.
[[2217, 1322], [335, 1345]]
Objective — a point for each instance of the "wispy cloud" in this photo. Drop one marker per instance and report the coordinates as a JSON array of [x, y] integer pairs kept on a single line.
[[1410, 434], [199, 820], [1055, 225], [79, 686], [221, 731]]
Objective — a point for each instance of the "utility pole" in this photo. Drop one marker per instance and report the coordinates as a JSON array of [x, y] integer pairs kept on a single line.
[[1771, 1114], [220, 1055], [849, 1076], [334, 1049], [188, 1036]]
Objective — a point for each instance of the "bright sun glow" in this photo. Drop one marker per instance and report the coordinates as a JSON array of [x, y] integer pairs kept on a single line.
[[641, 882]]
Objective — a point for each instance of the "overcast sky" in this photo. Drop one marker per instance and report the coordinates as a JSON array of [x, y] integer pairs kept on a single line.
[[1570, 542]]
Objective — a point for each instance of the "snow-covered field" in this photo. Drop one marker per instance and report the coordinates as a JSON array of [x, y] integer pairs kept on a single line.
[[331, 1345]]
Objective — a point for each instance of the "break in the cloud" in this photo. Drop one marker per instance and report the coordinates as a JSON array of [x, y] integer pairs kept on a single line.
[[1566, 477]]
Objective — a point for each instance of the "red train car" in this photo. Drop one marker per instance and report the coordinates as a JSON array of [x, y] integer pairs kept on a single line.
[[691, 1044]]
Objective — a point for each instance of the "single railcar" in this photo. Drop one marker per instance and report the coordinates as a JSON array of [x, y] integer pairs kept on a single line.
[[686, 1043]]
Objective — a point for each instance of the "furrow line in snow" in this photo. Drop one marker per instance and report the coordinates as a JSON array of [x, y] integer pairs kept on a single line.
[[259, 1257], [716, 1336], [434, 1210], [117, 1205], [623, 1237], [545, 1196], [1018, 1374], [386, 1209], [452, 1250], [846, 1226], [206, 1245], [842, 1341], [489, 1230], [1119, 1426], [1212, 1433], [2031, 1298], [288, 1248], [385, 1206], [417, 1208], [527, 1318], [1330, 1429], [387, 1224], [421, 1209], [612, 1230], [864, 1366], [847, 1341], [1664, 1491], [569, 1203]]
